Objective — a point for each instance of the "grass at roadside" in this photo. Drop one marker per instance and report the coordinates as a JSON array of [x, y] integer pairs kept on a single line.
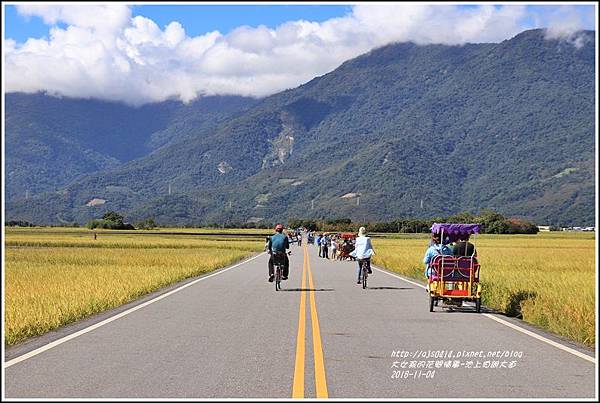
[[53, 280], [548, 279]]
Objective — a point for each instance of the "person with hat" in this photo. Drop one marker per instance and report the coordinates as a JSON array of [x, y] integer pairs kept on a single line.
[[333, 247], [363, 250], [278, 244]]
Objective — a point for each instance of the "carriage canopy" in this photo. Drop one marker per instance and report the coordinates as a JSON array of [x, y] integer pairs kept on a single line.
[[455, 231]]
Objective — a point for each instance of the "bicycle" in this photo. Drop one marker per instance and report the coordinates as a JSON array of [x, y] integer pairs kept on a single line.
[[278, 262], [364, 265]]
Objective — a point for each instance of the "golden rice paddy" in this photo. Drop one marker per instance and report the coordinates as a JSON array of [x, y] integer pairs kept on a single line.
[[548, 279], [55, 276]]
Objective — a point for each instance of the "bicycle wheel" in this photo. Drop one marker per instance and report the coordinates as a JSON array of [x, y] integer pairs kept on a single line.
[[278, 278], [365, 274]]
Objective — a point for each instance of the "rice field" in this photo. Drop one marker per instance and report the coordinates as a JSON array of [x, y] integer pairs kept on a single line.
[[548, 279], [54, 277]]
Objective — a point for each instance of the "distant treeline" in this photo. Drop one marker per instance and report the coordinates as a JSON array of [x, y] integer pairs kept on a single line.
[[19, 223], [491, 223]]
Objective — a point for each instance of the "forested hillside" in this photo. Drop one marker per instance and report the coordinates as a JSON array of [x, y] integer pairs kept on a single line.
[[404, 130], [50, 141]]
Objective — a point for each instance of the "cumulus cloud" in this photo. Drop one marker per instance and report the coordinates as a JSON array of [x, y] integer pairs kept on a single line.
[[95, 17], [104, 52], [565, 23]]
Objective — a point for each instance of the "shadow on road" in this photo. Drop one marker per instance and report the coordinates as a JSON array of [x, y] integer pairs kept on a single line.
[[308, 289], [463, 309], [389, 288]]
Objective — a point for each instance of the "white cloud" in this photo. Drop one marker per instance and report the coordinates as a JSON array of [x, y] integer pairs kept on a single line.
[[98, 17], [564, 22], [105, 53]]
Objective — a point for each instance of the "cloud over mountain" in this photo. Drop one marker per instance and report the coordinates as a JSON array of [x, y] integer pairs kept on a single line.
[[101, 51]]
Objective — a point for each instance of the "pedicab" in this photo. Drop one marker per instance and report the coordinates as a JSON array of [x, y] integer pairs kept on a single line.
[[346, 245], [454, 279]]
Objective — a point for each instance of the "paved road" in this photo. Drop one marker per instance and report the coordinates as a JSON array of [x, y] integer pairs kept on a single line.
[[232, 335]]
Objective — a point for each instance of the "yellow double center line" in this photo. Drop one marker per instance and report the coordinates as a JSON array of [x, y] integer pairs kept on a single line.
[[320, 378]]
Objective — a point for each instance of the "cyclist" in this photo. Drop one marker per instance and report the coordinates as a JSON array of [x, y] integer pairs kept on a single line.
[[278, 244], [363, 251]]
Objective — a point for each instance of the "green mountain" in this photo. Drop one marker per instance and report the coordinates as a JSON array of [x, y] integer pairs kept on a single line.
[[404, 130], [51, 141]]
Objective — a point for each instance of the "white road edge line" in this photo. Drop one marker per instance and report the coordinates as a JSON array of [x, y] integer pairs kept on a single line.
[[512, 326], [542, 338], [120, 315]]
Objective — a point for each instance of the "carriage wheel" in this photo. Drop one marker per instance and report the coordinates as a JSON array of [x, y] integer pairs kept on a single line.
[[478, 305], [431, 303]]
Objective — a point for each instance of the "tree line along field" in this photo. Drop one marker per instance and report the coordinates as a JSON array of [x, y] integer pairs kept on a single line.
[[55, 276], [546, 279]]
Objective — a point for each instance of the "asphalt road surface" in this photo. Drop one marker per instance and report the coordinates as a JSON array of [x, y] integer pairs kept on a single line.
[[231, 335]]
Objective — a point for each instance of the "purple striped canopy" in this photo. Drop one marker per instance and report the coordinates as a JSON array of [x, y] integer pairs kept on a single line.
[[455, 231]]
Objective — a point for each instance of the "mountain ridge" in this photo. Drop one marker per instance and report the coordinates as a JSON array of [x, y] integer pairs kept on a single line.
[[400, 124]]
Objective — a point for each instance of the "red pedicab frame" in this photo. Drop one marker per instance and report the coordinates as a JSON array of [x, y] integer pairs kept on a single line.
[[454, 278]]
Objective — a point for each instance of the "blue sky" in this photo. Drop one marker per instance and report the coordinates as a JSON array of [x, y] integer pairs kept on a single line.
[[199, 19]]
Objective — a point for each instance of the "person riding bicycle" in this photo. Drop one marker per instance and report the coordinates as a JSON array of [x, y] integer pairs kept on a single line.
[[277, 245], [363, 251]]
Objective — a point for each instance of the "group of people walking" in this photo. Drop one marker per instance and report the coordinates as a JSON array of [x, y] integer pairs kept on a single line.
[[360, 249], [326, 243], [335, 246]]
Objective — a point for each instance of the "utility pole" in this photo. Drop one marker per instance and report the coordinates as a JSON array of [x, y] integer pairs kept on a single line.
[[169, 188], [358, 201], [312, 204], [229, 203], [421, 203]]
